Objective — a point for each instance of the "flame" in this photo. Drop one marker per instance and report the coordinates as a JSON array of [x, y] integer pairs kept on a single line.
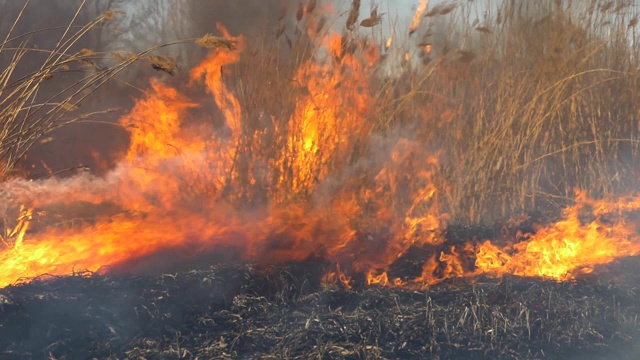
[[568, 247], [422, 7], [188, 183], [329, 120], [211, 70], [338, 276]]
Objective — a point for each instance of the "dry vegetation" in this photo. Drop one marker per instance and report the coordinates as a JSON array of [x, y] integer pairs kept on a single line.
[[548, 105], [30, 108], [499, 113], [523, 102]]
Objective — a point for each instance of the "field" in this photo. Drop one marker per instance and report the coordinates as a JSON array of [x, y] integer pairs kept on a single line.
[[469, 176]]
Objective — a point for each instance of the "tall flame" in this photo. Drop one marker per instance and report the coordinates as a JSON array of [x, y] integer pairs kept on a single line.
[[328, 121], [183, 179]]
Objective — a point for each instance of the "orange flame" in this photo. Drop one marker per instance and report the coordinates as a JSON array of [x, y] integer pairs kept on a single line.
[[211, 70], [328, 120], [422, 7], [178, 187], [567, 248]]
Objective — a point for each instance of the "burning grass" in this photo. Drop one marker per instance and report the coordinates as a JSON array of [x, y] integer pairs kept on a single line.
[[42, 89], [341, 161], [326, 142]]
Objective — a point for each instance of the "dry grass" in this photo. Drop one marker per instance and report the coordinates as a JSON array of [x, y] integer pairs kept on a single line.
[[521, 103], [524, 104], [213, 42], [30, 110], [354, 13], [548, 105], [164, 63]]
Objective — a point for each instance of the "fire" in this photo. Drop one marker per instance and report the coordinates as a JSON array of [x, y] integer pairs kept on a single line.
[[190, 184], [422, 7], [328, 120], [18, 232], [568, 247], [337, 276], [211, 70]]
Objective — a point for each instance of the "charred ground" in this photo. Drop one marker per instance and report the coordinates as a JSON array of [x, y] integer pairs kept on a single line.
[[284, 312]]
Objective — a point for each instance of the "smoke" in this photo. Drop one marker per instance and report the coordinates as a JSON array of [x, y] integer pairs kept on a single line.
[[120, 186]]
